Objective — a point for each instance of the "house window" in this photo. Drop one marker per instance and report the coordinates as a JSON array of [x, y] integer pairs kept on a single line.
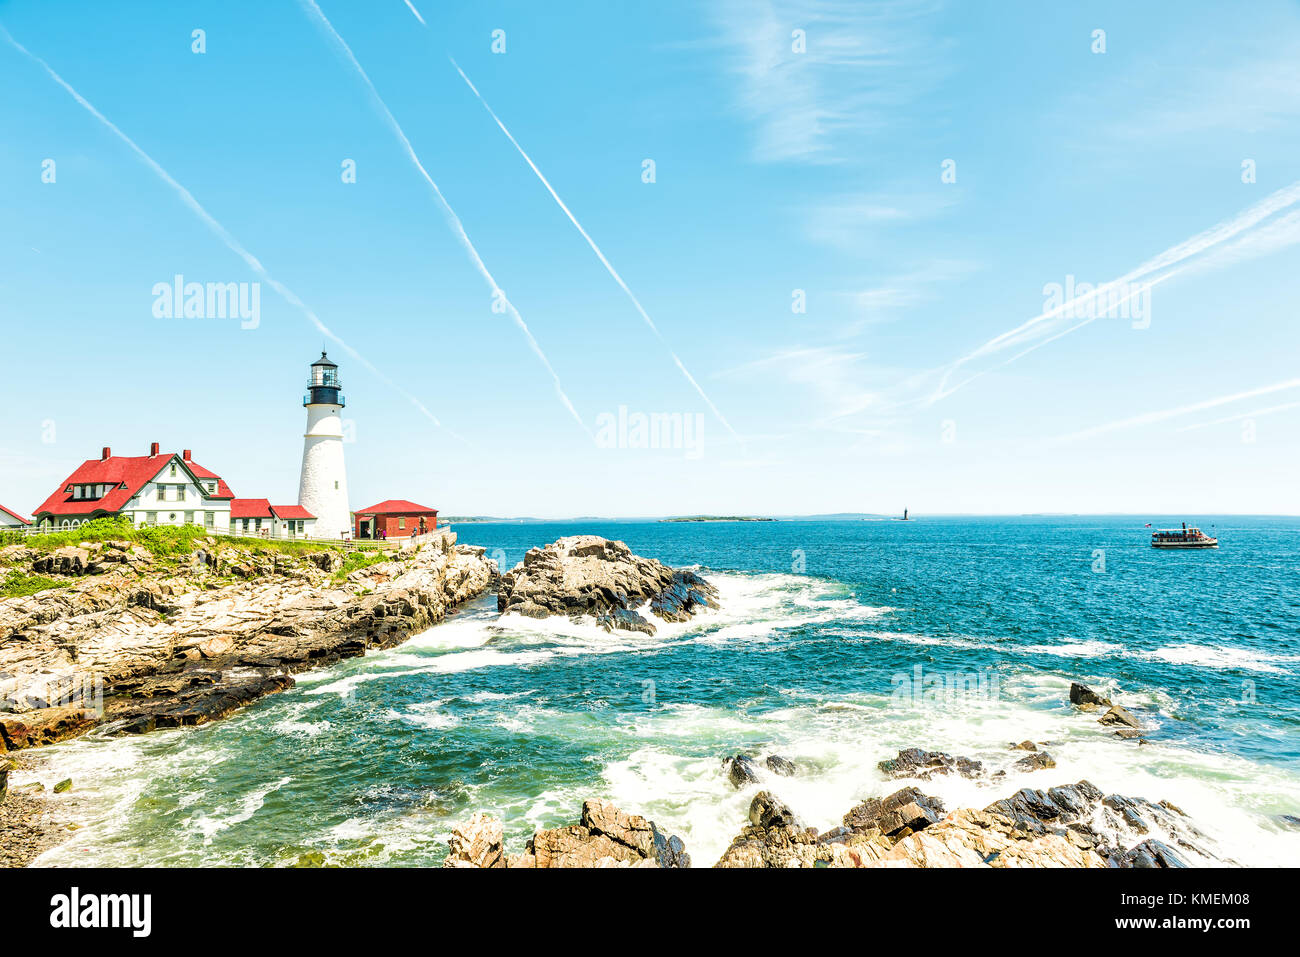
[[300, 524], [207, 519], [212, 488], [76, 491], [162, 493], [180, 493], [336, 483], [172, 473], [151, 518], [401, 523], [189, 518]]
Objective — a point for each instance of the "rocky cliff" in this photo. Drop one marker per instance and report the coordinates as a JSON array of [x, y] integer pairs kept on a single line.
[[172, 640]]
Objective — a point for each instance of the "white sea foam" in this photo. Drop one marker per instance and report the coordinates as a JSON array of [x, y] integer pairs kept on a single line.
[[837, 747], [254, 801]]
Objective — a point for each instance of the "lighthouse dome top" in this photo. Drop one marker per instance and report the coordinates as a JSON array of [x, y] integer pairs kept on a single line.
[[323, 385]]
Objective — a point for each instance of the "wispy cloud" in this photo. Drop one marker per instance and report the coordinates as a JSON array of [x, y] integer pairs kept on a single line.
[[287, 294], [847, 221], [681, 366], [1252, 414], [834, 376], [903, 291], [1149, 418], [861, 62], [1228, 241], [314, 11]]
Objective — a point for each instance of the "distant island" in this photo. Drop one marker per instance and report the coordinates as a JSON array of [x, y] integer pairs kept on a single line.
[[717, 518]]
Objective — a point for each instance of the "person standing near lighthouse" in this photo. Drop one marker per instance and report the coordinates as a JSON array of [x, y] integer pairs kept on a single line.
[[323, 487]]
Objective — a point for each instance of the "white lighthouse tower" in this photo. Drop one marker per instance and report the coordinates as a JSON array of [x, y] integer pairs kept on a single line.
[[323, 488]]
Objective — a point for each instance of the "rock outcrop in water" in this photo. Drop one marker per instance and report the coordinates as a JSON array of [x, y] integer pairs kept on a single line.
[[921, 764], [1074, 825], [1071, 825], [187, 641], [603, 837], [586, 575]]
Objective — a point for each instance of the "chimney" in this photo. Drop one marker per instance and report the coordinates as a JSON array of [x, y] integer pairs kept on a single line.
[[153, 449], [186, 455], [106, 453]]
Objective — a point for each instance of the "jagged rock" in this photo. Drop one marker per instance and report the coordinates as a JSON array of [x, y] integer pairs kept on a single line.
[[906, 810], [622, 619], [1152, 854], [779, 765], [63, 786], [767, 810], [917, 763], [1036, 761], [603, 837], [68, 560], [1121, 716], [1032, 809], [586, 575], [476, 843], [1024, 746], [741, 771], [190, 699], [40, 726], [970, 838], [326, 561], [1083, 696], [5, 767], [174, 646]]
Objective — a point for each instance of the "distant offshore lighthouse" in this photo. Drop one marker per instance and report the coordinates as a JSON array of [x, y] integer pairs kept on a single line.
[[323, 486]]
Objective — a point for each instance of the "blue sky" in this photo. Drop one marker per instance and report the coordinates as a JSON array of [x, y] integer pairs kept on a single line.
[[926, 371]]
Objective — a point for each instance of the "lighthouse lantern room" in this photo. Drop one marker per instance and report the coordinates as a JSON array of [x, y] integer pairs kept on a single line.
[[323, 487]]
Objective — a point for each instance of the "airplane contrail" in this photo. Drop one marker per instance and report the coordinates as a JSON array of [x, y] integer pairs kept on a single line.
[[311, 8], [410, 6], [224, 235], [596, 249], [1169, 263], [1148, 418], [1253, 414]]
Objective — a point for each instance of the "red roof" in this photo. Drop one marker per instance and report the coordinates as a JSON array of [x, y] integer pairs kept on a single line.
[[250, 508], [291, 511], [397, 506], [10, 511], [128, 474]]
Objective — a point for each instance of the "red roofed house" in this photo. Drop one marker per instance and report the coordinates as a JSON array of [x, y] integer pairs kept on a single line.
[[163, 488], [11, 519], [395, 518]]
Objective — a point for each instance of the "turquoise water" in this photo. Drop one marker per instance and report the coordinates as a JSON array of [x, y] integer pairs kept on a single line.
[[813, 655]]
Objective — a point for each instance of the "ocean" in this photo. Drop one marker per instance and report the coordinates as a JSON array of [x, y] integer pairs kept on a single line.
[[836, 645]]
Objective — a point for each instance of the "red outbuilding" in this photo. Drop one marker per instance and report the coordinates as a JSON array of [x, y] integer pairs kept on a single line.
[[395, 518]]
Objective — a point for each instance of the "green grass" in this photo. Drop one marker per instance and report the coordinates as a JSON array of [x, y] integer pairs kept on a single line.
[[16, 584], [164, 541], [354, 561]]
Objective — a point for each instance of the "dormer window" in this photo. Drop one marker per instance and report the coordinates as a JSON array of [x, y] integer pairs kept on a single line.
[[76, 491]]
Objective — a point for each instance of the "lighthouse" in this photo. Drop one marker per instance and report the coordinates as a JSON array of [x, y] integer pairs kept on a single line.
[[323, 488]]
